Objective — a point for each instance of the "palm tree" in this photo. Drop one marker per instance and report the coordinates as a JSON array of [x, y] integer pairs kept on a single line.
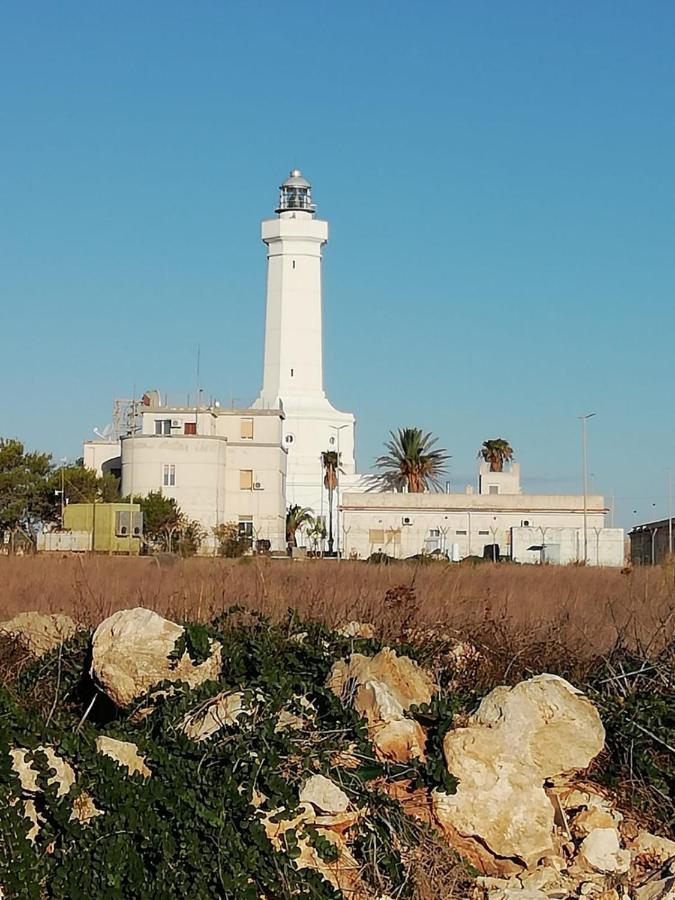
[[496, 451], [316, 532], [296, 517], [330, 463], [411, 461]]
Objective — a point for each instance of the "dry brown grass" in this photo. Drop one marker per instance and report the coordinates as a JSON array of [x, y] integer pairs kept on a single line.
[[576, 610]]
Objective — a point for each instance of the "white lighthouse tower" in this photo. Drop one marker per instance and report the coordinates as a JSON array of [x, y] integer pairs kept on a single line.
[[293, 368]]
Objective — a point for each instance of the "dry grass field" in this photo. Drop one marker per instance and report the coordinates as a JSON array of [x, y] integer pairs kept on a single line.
[[578, 611]]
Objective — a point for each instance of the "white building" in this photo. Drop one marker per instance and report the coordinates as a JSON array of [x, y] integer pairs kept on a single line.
[[293, 364], [220, 465], [498, 520]]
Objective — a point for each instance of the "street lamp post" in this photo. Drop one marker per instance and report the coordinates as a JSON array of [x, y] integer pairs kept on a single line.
[[338, 429], [584, 464], [670, 512]]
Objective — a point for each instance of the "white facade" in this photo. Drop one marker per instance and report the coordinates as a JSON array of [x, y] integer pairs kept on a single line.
[[103, 457], [504, 482], [525, 527], [560, 546], [220, 465], [293, 361]]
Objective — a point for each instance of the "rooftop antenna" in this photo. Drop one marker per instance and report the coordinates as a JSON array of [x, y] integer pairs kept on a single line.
[[198, 391]]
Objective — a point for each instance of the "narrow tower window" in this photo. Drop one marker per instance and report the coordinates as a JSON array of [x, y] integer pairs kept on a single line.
[[293, 263], [291, 373]]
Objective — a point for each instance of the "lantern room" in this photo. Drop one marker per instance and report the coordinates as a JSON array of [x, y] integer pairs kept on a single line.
[[295, 194]]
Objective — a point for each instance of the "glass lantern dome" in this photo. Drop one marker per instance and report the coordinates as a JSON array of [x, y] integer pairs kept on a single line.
[[296, 194]]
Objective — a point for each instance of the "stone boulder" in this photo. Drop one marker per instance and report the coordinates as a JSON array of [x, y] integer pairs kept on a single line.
[[653, 847], [225, 709], [63, 778], [324, 795], [131, 653], [601, 851], [382, 689], [408, 683], [660, 886], [38, 633], [357, 630], [344, 872], [518, 738], [394, 736], [564, 730], [125, 753]]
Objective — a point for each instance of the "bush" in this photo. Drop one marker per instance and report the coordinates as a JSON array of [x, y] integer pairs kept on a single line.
[[231, 543]]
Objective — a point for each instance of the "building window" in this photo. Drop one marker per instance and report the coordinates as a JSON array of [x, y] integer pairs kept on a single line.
[[190, 428], [483, 532], [162, 426], [526, 523], [245, 526], [434, 532], [169, 476], [493, 489], [289, 438], [247, 429], [246, 479], [331, 440], [460, 531], [376, 535]]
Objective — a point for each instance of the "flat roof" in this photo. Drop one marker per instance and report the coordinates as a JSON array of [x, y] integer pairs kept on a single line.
[[448, 502], [214, 410]]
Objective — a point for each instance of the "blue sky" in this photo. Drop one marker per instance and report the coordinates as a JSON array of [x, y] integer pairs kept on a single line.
[[499, 182]]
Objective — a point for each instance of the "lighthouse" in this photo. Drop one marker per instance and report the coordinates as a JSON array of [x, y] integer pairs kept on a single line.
[[293, 362]]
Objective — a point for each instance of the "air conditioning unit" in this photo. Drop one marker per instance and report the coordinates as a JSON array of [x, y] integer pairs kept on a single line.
[[406, 520], [175, 423], [257, 486]]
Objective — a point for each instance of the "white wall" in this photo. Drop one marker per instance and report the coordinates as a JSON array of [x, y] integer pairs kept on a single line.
[[471, 521], [506, 482], [97, 453], [207, 476], [566, 545]]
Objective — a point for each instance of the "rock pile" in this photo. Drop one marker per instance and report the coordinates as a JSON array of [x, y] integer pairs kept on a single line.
[[522, 812], [383, 689]]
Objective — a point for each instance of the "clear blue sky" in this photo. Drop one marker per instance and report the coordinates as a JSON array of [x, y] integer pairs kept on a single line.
[[499, 180]]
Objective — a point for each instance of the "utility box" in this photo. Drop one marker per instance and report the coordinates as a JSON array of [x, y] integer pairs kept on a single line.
[[63, 541], [114, 527]]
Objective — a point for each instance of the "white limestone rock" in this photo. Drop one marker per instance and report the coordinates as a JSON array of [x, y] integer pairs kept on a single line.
[[125, 753], [601, 851], [518, 738], [563, 728], [324, 795], [38, 633], [225, 709], [382, 689], [658, 848], [357, 630], [131, 653]]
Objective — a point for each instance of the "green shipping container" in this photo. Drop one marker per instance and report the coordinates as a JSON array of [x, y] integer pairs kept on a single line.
[[115, 527]]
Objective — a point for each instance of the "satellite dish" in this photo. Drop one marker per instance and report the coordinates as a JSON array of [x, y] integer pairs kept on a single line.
[[106, 434]]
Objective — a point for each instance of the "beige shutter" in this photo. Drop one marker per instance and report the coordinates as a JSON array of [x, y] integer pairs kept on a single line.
[[247, 429], [246, 479]]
